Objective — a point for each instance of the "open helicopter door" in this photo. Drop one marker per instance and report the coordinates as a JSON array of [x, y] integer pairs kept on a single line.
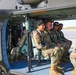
[[4, 64]]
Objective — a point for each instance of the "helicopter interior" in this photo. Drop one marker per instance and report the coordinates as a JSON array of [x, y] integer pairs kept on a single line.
[[15, 22]]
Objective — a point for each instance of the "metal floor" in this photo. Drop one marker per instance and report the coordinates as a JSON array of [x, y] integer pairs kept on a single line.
[[21, 68]]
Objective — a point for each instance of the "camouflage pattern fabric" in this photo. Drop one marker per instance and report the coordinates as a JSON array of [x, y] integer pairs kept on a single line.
[[65, 43], [21, 48], [47, 51], [69, 42], [57, 50], [15, 53], [73, 61], [22, 40], [73, 58], [57, 40], [47, 40], [36, 44]]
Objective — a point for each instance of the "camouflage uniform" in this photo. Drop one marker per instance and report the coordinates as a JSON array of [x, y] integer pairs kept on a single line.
[[22, 44], [73, 61], [69, 43], [47, 39], [73, 58], [14, 53], [20, 49], [46, 46], [57, 40]]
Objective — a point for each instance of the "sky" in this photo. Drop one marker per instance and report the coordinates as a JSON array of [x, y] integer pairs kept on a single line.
[[68, 23]]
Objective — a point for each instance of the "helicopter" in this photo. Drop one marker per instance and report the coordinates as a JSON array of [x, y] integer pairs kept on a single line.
[[13, 13]]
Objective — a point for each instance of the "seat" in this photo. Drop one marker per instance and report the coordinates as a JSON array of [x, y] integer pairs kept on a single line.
[[37, 54]]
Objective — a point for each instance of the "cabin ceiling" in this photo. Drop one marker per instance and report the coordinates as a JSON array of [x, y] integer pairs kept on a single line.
[[57, 14], [16, 19]]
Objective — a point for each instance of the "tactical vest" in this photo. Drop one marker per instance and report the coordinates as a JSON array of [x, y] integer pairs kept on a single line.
[[41, 37]]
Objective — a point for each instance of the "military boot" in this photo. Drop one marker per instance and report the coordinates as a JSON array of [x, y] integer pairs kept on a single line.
[[53, 71], [58, 68]]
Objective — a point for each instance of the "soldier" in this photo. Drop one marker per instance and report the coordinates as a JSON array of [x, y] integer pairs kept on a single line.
[[48, 35], [69, 42], [22, 43], [73, 61], [55, 38], [53, 52], [21, 48]]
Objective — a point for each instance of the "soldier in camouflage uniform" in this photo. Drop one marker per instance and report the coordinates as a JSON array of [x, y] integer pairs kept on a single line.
[[69, 42], [47, 37], [21, 48], [73, 61], [47, 48], [22, 43], [55, 38]]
